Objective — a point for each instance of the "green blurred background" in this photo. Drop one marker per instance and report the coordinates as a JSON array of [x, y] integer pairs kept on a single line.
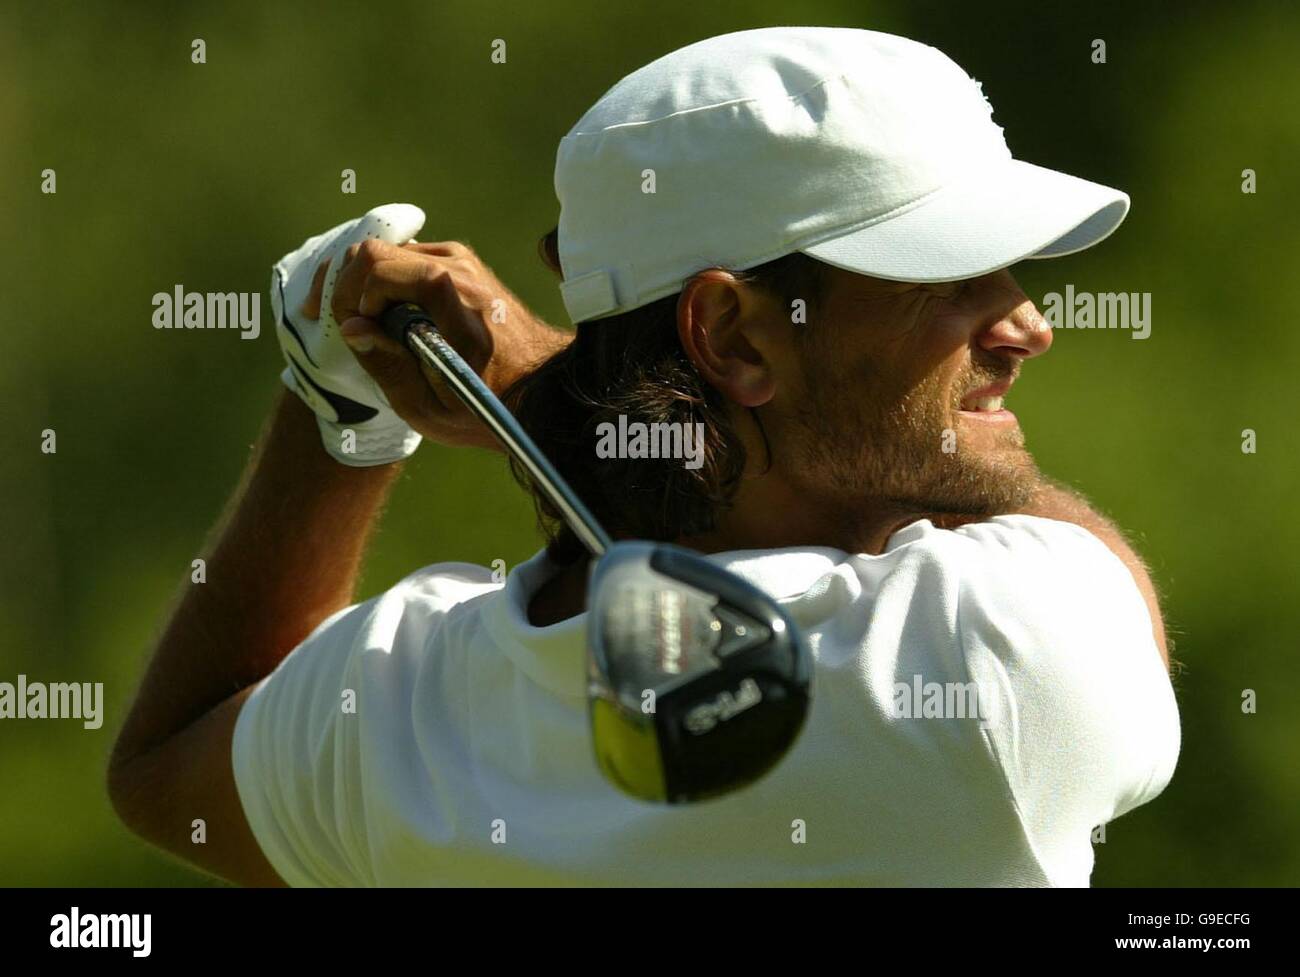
[[170, 172]]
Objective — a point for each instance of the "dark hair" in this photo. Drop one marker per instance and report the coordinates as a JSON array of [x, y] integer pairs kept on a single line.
[[632, 364]]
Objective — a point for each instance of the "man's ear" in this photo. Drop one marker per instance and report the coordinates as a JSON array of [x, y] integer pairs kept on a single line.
[[717, 316]]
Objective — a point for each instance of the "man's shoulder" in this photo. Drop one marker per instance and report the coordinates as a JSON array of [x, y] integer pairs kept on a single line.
[[1017, 562], [444, 585], [1034, 564], [402, 619], [1014, 534], [1044, 581], [1036, 604]]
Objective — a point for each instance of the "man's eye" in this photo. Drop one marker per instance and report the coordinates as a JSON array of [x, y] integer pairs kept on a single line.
[[948, 290]]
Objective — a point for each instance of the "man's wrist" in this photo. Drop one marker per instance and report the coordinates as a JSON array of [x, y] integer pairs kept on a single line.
[[295, 430], [383, 441], [529, 349]]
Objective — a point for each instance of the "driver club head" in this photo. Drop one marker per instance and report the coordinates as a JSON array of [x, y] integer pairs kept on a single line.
[[698, 682]]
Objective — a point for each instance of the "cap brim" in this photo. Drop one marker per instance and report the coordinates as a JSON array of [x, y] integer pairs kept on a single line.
[[980, 225]]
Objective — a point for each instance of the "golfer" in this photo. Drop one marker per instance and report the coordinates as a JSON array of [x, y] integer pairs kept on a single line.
[[795, 244]]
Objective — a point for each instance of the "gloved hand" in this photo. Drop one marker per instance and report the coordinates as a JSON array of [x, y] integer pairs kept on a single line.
[[357, 425]]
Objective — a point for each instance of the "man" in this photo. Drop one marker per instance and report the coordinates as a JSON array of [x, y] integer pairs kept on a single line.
[[797, 239]]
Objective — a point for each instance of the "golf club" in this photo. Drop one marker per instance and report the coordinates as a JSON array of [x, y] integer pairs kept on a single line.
[[697, 681]]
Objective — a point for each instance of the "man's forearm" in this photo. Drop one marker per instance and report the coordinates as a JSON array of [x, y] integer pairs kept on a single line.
[[284, 557]]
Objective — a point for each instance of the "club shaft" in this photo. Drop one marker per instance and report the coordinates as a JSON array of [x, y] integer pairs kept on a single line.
[[423, 338]]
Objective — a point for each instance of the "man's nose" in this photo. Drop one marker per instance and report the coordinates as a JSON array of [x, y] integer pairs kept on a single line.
[[1014, 325]]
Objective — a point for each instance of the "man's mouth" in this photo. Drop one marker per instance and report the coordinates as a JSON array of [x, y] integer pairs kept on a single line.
[[988, 397], [986, 402], [982, 405]]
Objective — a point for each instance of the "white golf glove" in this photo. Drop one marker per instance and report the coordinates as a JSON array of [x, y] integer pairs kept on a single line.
[[357, 425]]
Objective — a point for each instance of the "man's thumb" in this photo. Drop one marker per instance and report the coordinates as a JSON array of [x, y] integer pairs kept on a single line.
[[359, 334], [387, 362]]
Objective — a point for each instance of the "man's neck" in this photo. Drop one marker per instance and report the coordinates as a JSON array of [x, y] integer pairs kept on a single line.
[[755, 523]]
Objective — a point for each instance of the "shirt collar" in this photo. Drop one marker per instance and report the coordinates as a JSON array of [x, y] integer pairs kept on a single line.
[[554, 656]]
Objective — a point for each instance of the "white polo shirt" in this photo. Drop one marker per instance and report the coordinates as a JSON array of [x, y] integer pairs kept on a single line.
[[432, 736]]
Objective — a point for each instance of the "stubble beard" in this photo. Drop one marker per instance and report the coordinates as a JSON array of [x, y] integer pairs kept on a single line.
[[868, 461]]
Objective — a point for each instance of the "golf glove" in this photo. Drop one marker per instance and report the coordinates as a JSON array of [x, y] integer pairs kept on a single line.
[[321, 369]]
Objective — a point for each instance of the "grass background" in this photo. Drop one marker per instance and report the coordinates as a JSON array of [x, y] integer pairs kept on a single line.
[[170, 172]]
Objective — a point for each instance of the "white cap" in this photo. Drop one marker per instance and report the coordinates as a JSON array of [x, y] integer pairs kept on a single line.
[[866, 151]]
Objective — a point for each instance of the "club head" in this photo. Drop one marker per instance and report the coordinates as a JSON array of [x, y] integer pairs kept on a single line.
[[698, 682]]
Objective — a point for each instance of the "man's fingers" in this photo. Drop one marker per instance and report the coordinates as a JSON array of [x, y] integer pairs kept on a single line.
[[390, 364], [439, 249], [418, 393], [360, 259], [429, 285], [393, 281], [310, 307]]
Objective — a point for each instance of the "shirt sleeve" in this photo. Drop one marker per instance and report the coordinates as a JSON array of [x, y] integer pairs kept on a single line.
[[1058, 639], [298, 742]]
